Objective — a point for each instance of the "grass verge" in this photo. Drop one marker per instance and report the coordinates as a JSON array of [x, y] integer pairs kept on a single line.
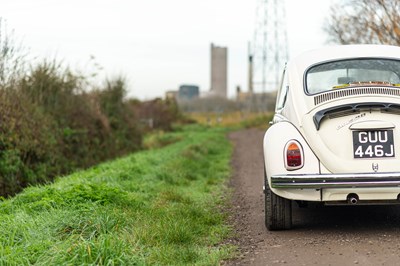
[[160, 206]]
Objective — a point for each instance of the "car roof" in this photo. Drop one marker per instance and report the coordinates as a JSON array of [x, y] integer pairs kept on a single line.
[[338, 52]]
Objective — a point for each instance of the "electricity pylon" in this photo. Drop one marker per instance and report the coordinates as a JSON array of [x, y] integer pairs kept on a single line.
[[269, 49]]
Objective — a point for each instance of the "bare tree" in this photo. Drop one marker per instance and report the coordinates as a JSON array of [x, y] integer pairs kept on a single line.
[[364, 21], [12, 57]]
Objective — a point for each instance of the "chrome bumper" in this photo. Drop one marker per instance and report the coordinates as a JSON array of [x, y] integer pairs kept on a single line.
[[319, 181]]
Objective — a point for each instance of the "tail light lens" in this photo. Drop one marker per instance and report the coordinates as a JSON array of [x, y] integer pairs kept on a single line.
[[294, 156]]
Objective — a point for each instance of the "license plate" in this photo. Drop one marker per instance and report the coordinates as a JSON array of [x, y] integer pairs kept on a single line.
[[373, 144]]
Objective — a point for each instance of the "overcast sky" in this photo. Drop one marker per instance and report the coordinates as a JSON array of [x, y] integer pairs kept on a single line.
[[157, 44]]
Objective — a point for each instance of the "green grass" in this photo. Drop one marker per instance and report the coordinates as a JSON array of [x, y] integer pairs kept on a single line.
[[161, 206]]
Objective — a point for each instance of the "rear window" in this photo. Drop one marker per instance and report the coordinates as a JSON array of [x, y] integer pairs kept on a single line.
[[352, 73]]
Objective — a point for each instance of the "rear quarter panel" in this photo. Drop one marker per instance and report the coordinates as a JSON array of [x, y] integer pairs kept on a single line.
[[274, 143]]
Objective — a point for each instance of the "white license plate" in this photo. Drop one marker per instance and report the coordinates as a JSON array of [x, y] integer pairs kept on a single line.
[[373, 144]]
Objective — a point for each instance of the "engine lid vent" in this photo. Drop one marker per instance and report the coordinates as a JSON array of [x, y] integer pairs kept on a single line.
[[355, 91]]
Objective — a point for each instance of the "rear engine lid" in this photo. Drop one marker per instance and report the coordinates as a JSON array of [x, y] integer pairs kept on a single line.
[[359, 142]]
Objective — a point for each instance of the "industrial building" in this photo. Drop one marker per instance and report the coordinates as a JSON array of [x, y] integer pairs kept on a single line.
[[219, 71], [188, 92]]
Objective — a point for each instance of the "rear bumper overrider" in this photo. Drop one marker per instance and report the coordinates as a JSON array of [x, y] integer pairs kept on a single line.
[[319, 181]]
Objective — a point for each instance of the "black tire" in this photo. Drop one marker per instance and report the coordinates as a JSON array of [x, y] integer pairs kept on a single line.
[[278, 210]]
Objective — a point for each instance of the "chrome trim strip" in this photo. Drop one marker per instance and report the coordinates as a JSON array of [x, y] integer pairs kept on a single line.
[[319, 181]]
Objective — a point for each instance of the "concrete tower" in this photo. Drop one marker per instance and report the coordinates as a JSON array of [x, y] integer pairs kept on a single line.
[[219, 71]]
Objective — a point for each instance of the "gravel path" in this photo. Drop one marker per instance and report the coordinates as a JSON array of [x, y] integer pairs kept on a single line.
[[347, 235]]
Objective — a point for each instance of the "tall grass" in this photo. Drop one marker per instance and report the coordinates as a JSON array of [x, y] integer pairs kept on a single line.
[[159, 207]]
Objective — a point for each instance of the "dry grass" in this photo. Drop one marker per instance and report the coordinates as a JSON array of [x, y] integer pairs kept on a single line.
[[232, 119]]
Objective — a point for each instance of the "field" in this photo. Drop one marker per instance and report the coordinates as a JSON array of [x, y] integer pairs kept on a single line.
[[160, 206], [233, 119]]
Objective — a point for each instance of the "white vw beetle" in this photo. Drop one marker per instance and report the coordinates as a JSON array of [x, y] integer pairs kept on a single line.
[[335, 135]]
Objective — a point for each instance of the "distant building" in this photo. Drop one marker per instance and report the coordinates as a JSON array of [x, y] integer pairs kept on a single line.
[[171, 95], [219, 71], [188, 92]]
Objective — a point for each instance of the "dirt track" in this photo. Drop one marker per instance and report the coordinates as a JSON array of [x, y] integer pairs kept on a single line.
[[363, 235]]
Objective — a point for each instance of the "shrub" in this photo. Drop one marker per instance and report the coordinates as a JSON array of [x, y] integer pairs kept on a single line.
[[28, 143], [51, 125], [125, 134], [157, 114], [81, 127]]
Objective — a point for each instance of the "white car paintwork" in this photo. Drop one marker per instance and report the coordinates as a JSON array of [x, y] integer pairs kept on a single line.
[[329, 149]]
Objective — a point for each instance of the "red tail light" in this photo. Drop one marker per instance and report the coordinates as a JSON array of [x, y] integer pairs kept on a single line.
[[294, 158]]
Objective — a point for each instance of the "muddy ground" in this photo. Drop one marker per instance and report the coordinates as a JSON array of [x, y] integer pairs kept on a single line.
[[321, 235]]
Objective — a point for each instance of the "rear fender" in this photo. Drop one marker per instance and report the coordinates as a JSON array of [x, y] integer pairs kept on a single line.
[[275, 140]]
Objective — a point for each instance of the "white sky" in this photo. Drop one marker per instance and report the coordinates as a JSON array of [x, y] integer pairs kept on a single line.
[[157, 44]]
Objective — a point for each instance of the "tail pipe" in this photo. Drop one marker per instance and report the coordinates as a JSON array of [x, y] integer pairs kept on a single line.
[[352, 199]]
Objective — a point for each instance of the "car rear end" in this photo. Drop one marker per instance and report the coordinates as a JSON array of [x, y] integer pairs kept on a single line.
[[353, 128], [340, 132]]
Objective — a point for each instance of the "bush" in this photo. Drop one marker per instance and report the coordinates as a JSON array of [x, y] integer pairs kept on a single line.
[[28, 143], [52, 126], [126, 135], [53, 123], [81, 127], [157, 114]]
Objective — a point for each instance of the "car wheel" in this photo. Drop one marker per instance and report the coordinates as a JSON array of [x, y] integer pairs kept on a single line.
[[278, 210]]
